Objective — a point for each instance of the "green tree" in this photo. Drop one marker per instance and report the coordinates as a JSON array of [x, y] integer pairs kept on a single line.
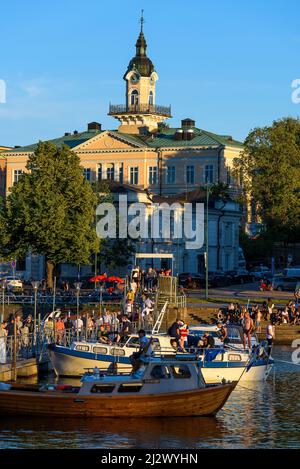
[[269, 168], [51, 210], [114, 253]]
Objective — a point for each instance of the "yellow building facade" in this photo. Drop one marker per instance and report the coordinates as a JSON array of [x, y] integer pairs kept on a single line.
[[144, 151]]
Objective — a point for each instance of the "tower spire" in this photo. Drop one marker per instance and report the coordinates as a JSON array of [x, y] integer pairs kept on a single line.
[[142, 20]]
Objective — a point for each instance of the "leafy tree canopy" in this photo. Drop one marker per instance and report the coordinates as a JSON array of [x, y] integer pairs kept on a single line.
[[269, 168], [51, 210]]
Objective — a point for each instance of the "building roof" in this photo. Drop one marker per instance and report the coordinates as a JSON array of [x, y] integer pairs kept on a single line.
[[166, 139], [72, 140], [162, 139]]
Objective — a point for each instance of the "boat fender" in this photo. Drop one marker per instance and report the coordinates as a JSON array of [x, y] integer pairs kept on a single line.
[[5, 386]]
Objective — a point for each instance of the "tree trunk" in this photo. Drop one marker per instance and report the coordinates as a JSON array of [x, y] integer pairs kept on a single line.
[[50, 269]]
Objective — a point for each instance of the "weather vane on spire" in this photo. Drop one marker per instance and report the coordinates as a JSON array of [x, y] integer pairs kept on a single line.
[[142, 20]]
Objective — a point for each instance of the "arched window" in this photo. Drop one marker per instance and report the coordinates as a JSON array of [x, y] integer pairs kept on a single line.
[[151, 98], [134, 98]]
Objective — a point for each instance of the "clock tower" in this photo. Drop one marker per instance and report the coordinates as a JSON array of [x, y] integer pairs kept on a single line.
[[140, 110]]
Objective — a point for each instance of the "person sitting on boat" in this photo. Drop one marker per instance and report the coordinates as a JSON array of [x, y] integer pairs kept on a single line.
[[145, 350], [223, 333], [183, 331], [103, 335], [125, 329], [208, 340], [173, 330]]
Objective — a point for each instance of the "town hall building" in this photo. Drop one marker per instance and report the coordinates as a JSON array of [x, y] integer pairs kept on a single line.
[[146, 156]]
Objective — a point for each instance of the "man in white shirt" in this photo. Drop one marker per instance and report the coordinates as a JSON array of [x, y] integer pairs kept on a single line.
[[78, 325], [270, 335]]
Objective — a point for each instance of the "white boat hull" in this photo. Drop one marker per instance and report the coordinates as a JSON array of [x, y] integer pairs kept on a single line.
[[256, 373], [66, 364]]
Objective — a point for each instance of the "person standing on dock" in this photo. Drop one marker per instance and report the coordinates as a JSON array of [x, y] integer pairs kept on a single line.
[[3, 336]]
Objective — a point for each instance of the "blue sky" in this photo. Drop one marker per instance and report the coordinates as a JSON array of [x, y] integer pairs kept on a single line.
[[228, 64]]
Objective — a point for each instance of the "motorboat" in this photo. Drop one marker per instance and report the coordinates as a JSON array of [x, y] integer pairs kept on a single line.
[[160, 387], [222, 362], [232, 356], [71, 361]]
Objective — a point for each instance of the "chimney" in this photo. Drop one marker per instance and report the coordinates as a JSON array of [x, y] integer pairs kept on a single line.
[[189, 134], [178, 134], [75, 132], [67, 134], [94, 126], [188, 123]]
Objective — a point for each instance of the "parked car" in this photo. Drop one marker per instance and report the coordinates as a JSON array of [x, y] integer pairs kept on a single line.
[[190, 280], [260, 272], [13, 283], [240, 276], [292, 272], [281, 283], [219, 279]]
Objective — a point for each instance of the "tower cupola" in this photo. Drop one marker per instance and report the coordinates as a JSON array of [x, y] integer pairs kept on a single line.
[[140, 77]]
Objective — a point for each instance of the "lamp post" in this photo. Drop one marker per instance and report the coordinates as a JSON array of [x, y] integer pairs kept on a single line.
[[77, 285], [3, 286], [100, 298], [208, 191], [35, 284]]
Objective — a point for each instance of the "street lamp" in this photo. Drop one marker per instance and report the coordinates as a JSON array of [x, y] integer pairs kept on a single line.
[[35, 284], [100, 298], [208, 191], [3, 286], [77, 285]]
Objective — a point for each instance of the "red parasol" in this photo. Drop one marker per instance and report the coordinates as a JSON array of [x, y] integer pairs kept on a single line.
[[98, 278]]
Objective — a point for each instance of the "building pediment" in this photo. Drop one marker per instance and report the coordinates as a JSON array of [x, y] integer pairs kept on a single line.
[[109, 140]]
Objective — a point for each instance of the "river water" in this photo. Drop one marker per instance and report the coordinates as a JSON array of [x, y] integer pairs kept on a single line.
[[263, 415]]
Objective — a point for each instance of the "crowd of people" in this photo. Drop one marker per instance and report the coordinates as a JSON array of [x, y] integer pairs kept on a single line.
[[235, 314]]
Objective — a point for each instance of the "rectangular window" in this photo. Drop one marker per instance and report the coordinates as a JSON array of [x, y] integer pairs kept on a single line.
[[121, 173], [134, 175], [209, 174], [170, 175], [99, 173], [190, 174], [87, 174], [16, 174], [181, 371], [110, 172], [102, 388], [134, 387], [152, 175]]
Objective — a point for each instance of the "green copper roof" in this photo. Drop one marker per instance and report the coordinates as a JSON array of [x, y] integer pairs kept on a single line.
[[71, 140], [164, 139], [201, 138]]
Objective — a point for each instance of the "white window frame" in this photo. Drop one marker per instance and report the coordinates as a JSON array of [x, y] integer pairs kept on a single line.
[[170, 180], [17, 173], [189, 173], [209, 170], [152, 171], [134, 175], [87, 172]]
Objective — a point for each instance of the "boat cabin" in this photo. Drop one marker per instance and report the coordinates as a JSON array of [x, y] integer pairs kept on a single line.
[[155, 376]]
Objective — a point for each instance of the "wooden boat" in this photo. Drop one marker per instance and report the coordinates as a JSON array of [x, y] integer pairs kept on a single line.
[[160, 388]]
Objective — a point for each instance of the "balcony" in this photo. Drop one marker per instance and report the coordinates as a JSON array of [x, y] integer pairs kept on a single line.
[[117, 109]]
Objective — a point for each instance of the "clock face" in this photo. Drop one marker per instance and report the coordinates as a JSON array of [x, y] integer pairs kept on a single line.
[[135, 78]]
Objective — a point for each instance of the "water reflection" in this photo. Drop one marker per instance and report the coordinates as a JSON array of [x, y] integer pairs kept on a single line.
[[256, 416]]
